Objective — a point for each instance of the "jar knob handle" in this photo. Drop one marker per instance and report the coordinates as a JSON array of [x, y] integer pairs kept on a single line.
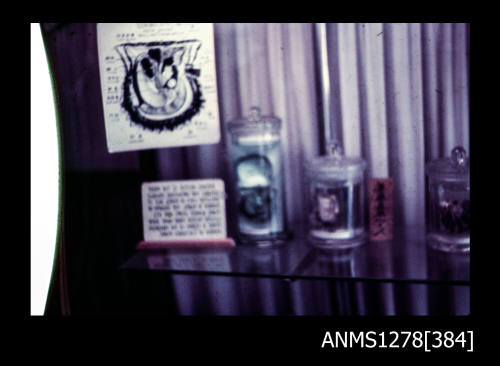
[[255, 115], [458, 156], [334, 149]]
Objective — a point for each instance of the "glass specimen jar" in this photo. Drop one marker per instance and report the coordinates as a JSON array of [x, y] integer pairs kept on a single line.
[[257, 165], [336, 206], [448, 221]]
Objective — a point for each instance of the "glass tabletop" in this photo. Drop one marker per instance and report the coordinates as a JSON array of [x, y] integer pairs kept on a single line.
[[406, 258]]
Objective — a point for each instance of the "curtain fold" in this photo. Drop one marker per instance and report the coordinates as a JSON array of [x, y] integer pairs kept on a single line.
[[372, 87]]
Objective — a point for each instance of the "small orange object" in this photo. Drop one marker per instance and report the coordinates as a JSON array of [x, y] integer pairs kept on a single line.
[[381, 209]]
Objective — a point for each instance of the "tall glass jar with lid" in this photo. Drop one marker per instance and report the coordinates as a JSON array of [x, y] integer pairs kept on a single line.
[[256, 158]]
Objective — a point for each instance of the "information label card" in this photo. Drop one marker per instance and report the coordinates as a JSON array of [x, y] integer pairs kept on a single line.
[[184, 210], [158, 84]]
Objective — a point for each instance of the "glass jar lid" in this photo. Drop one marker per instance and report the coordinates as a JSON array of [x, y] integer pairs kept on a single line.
[[335, 165], [455, 167], [255, 124]]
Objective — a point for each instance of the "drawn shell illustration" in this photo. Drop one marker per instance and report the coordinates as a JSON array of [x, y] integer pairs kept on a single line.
[[254, 174], [161, 89]]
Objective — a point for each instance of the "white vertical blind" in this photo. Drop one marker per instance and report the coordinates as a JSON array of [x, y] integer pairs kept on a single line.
[[372, 89], [431, 90], [405, 123], [349, 89], [446, 87]]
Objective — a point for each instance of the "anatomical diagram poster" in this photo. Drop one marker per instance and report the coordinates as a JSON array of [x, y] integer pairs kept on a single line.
[[158, 85]]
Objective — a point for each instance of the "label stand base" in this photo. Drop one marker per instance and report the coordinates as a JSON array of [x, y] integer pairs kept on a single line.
[[179, 244]]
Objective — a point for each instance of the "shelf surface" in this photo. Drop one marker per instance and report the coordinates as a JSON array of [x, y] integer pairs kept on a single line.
[[406, 258]]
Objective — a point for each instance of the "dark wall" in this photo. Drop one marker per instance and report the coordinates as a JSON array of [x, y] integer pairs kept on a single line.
[[101, 191]]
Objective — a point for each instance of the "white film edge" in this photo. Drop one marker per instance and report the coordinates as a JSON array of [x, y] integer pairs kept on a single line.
[[158, 84]]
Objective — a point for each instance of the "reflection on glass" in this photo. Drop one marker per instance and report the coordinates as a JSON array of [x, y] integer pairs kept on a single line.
[[339, 263], [447, 266], [267, 260], [187, 260], [380, 257]]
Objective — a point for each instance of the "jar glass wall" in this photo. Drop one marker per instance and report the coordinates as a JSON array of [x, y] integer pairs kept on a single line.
[[256, 158], [336, 200], [448, 221]]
